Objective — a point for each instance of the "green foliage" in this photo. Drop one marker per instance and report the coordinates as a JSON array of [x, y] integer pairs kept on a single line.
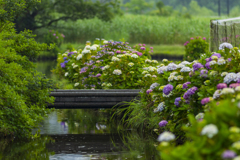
[[54, 37], [137, 6], [48, 13], [24, 92], [225, 116], [136, 28], [195, 48]]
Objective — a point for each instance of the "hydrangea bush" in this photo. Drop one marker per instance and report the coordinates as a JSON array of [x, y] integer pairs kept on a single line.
[[195, 47], [214, 135], [107, 65]]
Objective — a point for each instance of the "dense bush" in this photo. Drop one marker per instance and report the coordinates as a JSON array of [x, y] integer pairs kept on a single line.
[[24, 93], [107, 64], [195, 47]]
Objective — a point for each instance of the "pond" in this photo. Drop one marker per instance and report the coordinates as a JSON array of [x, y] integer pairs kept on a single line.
[[80, 134]]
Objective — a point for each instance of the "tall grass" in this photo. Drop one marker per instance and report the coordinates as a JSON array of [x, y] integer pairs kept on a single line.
[[137, 28]]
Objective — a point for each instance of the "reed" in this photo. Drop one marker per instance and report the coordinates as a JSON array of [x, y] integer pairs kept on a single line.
[[137, 28]]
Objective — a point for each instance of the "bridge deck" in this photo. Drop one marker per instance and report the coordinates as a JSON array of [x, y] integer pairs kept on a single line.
[[99, 98]]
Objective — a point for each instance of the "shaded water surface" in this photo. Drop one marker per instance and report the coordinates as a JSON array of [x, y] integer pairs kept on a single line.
[[79, 134]]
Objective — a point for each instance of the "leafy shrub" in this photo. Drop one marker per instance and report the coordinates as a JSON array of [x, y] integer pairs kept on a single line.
[[24, 93], [54, 37], [195, 48], [215, 136], [106, 64]]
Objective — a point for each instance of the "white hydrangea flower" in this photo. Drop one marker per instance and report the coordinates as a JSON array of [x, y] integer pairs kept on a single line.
[[224, 74], [145, 72], [209, 130], [93, 48], [75, 66], [76, 84], [130, 64], [115, 59], [162, 69], [225, 44], [66, 74], [236, 145], [195, 61], [185, 63], [180, 66], [186, 69], [105, 42], [171, 67], [151, 69], [147, 61], [85, 51], [217, 94], [169, 95], [119, 55], [212, 63], [64, 55], [79, 56], [179, 78], [221, 61], [173, 73], [117, 72], [166, 136], [103, 84], [199, 116], [227, 91], [213, 73], [95, 45], [154, 85], [87, 47], [109, 85], [171, 78], [154, 61], [105, 67], [237, 89], [164, 60], [236, 158], [148, 75], [134, 56], [229, 78]]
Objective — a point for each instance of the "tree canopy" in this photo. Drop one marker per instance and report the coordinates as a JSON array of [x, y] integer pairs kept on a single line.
[[49, 12]]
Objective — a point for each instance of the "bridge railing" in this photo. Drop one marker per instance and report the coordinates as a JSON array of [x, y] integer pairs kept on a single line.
[[99, 98]]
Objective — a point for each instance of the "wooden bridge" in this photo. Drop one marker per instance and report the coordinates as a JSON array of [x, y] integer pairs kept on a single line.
[[99, 98]]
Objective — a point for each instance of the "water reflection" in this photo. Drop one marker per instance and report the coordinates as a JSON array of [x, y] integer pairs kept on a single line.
[[82, 135]]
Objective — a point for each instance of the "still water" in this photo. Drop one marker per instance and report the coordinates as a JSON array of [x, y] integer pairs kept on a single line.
[[80, 134]]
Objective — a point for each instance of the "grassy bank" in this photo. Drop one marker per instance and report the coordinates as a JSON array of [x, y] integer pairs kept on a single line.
[[135, 29]]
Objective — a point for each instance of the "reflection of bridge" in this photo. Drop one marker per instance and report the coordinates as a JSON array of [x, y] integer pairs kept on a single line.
[[77, 99], [85, 143]]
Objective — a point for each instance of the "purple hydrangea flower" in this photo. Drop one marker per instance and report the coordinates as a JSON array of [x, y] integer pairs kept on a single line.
[[167, 89], [185, 85], [207, 65], [177, 100], [207, 59], [118, 51], [196, 66], [151, 48], [163, 123], [143, 48], [70, 53], [65, 58], [228, 154], [204, 38], [215, 54], [98, 75], [229, 59], [221, 85], [139, 54], [149, 91], [63, 65], [234, 85], [189, 92], [192, 38], [54, 34], [65, 61], [205, 100], [143, 44], [204, 73]]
